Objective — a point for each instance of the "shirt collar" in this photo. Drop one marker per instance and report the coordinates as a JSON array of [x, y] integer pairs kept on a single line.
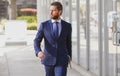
[[59, 21]]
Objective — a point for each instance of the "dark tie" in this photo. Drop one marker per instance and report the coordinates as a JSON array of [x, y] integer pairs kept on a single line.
[[55, 30]]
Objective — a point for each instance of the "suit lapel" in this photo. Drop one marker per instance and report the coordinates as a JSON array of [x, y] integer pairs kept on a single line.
[[51, 30], [48, 31], [62, 28]]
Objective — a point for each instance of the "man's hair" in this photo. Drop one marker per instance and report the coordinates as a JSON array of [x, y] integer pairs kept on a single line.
[[58, 5]]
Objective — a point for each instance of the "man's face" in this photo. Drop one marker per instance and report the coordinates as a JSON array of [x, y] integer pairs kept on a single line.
[[54, 12]]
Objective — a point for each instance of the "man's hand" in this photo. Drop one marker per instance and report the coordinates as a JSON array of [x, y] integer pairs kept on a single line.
[[41, 55]]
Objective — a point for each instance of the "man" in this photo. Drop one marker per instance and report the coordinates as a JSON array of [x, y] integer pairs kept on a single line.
[[57, 42]]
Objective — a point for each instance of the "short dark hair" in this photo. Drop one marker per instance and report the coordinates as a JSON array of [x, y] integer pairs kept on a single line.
[[58, 5]]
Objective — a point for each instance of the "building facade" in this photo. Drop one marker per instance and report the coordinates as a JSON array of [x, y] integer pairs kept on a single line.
[[93, 45]]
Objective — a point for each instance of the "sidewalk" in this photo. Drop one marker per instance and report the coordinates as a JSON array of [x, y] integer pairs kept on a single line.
[[21, 61]]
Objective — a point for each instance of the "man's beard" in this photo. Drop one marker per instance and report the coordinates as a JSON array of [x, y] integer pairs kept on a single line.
[[55, 17]]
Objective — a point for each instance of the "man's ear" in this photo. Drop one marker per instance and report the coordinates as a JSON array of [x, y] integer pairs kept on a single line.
[[60, 12]]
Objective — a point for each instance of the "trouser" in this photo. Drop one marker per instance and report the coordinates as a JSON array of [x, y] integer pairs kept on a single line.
[[58, 70]]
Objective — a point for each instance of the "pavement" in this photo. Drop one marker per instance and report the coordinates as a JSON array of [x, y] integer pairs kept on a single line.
[[20, 60]]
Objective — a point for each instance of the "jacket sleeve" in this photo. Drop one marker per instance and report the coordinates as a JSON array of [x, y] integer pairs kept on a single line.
[[69, 41], [38, 40]]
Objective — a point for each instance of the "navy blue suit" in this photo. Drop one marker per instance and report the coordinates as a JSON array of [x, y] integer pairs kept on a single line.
[[56, 52]]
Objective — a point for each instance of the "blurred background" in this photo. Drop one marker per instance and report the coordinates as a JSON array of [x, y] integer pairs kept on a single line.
[[95, 36], [18, 10]]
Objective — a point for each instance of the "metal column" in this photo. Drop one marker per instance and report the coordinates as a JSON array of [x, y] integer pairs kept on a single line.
[[78, 30], [39, 12], [88, 32], [70, 11], [100, 37], [106, 49], [63, 15], [114, 5]]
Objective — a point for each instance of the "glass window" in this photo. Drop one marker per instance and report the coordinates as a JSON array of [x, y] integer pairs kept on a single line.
[[83, 57], [94, 53], [74, 31], [114, 57]]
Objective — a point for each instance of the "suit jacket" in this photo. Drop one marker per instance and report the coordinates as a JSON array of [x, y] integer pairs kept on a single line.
[[56, 51]]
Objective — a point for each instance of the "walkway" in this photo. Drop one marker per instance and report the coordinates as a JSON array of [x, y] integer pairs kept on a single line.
[[20, 60]]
